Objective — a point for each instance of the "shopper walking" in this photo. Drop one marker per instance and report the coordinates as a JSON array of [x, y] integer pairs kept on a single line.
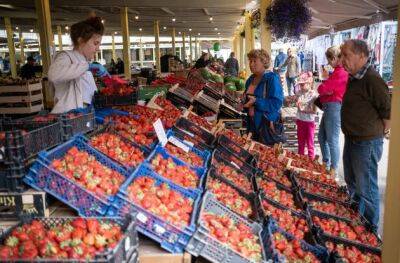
[[232, 65], [306, 111], [292, 72], [71, 73], [365, 120], [120, 66], [264, 99], [331, 93]]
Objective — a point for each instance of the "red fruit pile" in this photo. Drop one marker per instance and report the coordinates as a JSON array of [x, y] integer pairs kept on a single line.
[[200, 121], [179, 174], [272, 192], [188, 157], [351, 231], [230, 197], [320, 189], [236, 178], [276, 174], [77, 239], [352, 254], [85, 170], [234, 137], [292, 249], [170, 79], [161, 201], [237, 236], [304, 162], [323, 178], [292, 224], [334, 209], [113, 146], [116, 86]]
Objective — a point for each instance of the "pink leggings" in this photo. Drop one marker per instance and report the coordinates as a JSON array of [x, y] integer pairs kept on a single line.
[[305, 137]]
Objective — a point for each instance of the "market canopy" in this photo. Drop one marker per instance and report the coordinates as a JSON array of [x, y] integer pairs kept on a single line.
[[226, 15]]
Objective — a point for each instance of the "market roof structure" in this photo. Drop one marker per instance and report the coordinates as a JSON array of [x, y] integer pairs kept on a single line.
[[207, 17]]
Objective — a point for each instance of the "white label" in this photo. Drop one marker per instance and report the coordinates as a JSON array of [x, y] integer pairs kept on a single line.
[[89, 124], [127, 244], [141, 217], [27, 199], [159, 229], [2, 149], [234, 164], [159, 128], [188, 143], [178, 143], [188, 133]]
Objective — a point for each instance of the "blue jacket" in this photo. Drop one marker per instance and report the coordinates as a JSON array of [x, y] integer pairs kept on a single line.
[[279, 60], [271, 105]]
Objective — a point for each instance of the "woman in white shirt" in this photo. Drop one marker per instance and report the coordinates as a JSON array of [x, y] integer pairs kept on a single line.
[[71, 73]]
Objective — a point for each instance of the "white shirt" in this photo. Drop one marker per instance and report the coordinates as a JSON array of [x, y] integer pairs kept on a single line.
[[73, 83]]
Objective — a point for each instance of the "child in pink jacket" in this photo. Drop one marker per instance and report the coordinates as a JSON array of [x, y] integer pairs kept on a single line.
[[306, 111]]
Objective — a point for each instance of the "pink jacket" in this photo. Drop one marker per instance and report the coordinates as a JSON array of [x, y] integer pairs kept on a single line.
[[333, 89]]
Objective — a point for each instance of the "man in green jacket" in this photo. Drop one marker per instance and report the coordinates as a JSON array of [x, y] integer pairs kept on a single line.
[[365, 121]]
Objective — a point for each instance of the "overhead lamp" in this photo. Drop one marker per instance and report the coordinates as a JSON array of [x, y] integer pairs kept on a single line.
[[190, 30], [198, 34], [165, 28], [115, 32], [16, 28], [215, 28], [103, 21], [173, 19], [219, 33], [179, 32], [211, 18], [31, 30], [140, 29], [66, 27], [136, 17]]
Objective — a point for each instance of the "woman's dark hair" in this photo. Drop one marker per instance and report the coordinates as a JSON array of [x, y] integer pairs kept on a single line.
[[86, 29]]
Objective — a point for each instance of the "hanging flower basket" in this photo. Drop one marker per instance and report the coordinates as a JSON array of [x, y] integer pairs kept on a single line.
[[256, 19], [288, 18]]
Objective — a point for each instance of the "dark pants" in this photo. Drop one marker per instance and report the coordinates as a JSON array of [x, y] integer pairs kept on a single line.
[[360, 161]]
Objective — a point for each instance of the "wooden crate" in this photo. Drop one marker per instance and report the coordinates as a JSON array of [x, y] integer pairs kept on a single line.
[[21, 99], [150, 252]]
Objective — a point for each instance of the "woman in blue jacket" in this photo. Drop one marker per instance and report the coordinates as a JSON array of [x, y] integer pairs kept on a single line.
[[264, 95]]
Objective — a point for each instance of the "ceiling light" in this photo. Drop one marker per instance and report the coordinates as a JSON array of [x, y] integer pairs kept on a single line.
[[173, 19], [211, 18], [140, 29], [66, 27], [136, 17], [198, 34], [190, 29], [31, 30], [115, 32], [215, 28], [219, 33], [103, 21], [16, 28], [179, 32], [164, 27]]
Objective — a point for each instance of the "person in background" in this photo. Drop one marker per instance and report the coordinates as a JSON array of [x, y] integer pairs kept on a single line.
[[264, 94], [232, 65], [28, 70], [279, 61], [113, 67], [203, 61], [293, 71], [365, 117], [301, 58], [331, 93], [306, 111], [120, 66], [71, 73]]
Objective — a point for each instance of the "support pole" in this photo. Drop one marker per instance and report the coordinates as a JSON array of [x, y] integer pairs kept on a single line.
[[59, 33], [157, 44], [46, 35], [391, 227], [249, 39], [11, 47], [141, 57], [241, 53], [114, 56], [264, 30], [126, 42], [183, 46], [190, 49], [196, 49], [21, 44], [173, 41]]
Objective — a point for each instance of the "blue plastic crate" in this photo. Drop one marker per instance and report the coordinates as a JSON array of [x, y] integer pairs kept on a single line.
[[320, 252], [204, 154], [200, 172], [101, 114], [43, 177], [171, 238], [130, 169]]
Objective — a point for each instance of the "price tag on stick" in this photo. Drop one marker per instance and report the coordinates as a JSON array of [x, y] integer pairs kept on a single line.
[[161, 135]]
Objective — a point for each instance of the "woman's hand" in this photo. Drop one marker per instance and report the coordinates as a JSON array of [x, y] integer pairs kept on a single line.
[[98, 70], [250, 102]]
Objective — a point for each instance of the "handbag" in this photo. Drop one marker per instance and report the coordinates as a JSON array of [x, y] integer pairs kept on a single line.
[[270, 132], [318, 103]]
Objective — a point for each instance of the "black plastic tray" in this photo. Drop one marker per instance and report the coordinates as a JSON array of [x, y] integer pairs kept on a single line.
[[249, 177], [236, 149], [105, 101], [221, 154], [195, 130]]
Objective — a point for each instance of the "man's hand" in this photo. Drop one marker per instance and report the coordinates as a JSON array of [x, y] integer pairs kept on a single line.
[[386, 128]]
